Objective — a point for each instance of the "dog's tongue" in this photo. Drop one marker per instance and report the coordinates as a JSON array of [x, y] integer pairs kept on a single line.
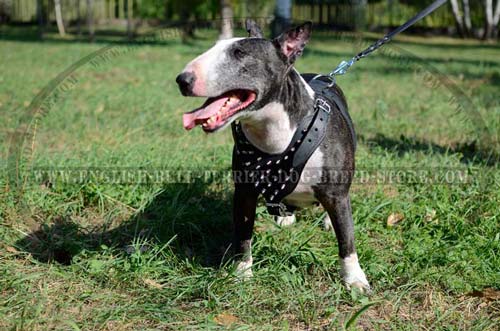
[[210, 108]]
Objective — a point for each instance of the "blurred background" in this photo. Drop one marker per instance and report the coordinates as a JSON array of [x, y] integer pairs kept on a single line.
[[88, 18]]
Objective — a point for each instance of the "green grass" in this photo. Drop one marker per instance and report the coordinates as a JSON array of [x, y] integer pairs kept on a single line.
[[99, 256]]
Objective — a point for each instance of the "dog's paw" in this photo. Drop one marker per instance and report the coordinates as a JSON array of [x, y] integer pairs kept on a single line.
[[285, 221], [243, 269], [353, 275], [327, 223]]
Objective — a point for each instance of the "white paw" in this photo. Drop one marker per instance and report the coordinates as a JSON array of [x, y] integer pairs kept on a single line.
[[285, 221], [244, 269], [327, 223], [353, 275]]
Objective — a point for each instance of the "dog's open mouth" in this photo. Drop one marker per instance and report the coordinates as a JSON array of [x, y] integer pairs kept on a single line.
[[216, 111]]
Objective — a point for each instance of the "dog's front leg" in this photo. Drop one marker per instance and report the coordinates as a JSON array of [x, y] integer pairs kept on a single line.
[[244, 205], [339, 210]]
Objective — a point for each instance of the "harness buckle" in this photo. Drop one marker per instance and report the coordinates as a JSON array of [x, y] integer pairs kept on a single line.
[[278, 209], [322, 104]]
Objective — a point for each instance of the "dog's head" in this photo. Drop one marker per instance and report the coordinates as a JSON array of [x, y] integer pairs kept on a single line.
[[239, 75]]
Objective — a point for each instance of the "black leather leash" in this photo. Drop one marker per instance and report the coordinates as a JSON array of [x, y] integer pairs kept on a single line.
[[345, 65]]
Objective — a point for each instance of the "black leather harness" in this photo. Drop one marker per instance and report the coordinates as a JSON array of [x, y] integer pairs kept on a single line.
[[276, 175]]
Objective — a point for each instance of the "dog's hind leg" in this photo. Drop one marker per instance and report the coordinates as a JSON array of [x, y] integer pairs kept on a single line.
[[285, 220], [244, 205], [339, 210], [327, 223]]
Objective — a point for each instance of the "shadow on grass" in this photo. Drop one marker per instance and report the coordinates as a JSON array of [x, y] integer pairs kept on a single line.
[[471, 153], [198, 218]]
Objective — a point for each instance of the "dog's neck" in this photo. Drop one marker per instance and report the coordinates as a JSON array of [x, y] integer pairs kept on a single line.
[[271, 128]]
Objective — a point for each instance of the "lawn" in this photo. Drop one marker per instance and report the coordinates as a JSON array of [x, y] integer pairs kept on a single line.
[[150, 252]]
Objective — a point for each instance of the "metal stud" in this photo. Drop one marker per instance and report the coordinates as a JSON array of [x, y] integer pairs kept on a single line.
[[283, 186]]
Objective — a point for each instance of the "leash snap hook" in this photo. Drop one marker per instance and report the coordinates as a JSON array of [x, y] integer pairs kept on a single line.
[[341, 68]]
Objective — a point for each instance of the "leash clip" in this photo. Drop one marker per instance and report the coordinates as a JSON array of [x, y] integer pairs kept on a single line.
[[341, 68]]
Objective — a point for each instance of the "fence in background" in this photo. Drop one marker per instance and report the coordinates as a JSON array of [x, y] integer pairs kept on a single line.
[[320, 12], [24, 11], [376, 15]]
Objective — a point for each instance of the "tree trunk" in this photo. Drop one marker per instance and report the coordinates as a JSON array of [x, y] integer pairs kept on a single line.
[[359, 14], [59, 19], [187, 25], [282, 17], [458, 17], [467, 21], [90, 19], [130, 6], [78, 19], [226, 28], [39, 16], [488, 13], [496, 20], [390, 4]]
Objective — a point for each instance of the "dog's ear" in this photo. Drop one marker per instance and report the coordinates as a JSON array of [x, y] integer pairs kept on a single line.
[[292, 42], [253, 29]]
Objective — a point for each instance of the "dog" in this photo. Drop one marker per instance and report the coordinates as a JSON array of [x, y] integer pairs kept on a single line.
[[252, 80]]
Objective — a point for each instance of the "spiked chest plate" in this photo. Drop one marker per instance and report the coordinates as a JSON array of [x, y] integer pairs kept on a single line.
[[277, 175]]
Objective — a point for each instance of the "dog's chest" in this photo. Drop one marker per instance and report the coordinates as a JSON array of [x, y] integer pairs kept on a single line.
[[270, 130]]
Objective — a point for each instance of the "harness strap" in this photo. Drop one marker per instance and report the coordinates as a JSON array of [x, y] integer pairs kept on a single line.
[[276, 175]]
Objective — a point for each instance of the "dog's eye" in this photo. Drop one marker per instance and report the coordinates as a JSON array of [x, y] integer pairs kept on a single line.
[[238, 53]]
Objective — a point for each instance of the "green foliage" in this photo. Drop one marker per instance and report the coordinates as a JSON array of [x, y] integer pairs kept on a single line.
[[152, 9], [95, 255]]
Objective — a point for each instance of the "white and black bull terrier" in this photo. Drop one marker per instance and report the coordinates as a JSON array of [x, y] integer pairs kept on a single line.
[[252, 80]]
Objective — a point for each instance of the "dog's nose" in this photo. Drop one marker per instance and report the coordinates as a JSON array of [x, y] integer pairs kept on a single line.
[[185, 81]]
